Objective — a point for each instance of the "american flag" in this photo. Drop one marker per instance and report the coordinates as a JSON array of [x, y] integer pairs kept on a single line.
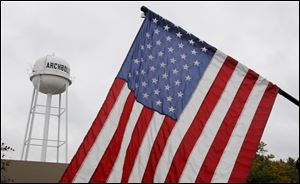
[[179, 110]]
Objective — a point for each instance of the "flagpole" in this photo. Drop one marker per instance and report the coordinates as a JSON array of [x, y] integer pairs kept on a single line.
[[289, 97], [144, 9]]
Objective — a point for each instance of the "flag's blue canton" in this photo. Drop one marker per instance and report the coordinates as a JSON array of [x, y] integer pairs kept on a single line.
[[164, 65]]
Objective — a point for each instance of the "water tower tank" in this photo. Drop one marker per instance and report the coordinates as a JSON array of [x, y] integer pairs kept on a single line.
[[53, 73]]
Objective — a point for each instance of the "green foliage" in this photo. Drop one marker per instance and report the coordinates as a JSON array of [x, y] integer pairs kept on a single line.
[[267, 170], [5, 148]]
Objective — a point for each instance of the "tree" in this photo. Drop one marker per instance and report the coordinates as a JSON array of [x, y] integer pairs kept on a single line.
[[267, 170], [5, 148]]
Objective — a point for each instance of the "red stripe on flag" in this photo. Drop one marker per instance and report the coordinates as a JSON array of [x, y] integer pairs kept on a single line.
[[158, 148], [136, 141], [93, 132], [246, 155], [204, 112], [111, 153], [220, 141]]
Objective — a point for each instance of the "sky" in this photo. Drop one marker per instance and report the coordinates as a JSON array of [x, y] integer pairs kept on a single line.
[[94, 38]]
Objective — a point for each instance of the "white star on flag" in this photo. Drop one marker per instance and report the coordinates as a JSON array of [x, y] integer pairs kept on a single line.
[[166, 28], [171, 109], [155, 20], [204, 49], [178, 35]]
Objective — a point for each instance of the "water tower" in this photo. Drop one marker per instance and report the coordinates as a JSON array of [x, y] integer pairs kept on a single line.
[[50, 76]]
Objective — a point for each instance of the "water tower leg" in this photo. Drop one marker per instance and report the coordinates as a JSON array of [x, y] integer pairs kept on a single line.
[[66, 111], [32, 119], [46, 128], [28, 122], [58, 127]]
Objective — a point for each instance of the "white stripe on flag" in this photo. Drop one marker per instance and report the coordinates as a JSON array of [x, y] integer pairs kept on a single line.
[[116, 173], [212, 126], [187, 116], [227, 161], [97, 150], [143, 155]]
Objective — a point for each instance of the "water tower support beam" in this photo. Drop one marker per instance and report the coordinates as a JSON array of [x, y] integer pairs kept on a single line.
[[66, 111], [58, 127], [32, 118], [28, 122], [46, 128]]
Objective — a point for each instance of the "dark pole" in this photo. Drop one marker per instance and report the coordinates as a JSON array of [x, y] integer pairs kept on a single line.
[[281, 92], [289, 97], [144, 9]]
